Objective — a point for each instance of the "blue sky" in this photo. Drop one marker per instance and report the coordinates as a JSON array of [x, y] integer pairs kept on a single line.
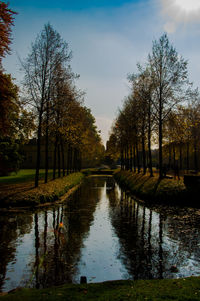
[[69, 5], [107, 39]]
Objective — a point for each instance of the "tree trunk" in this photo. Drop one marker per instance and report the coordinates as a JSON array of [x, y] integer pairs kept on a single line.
[[149, 138], [134, 158], [121, 158], [63, 157], [170, 157], [149, 153], [59, 167], [125, 159], [174, 155], [187, 157], [38, 150], [54, 157], [68, 158], [138, 159], [71, 159], [131, 159], [80, 163], [195, 156], [74, 160], [47, 144], [160, 149], [143, 153], [180, 157]]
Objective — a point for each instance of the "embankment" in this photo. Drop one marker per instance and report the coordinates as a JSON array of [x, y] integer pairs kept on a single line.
[[167, 289], [153, 189], [45, 193]]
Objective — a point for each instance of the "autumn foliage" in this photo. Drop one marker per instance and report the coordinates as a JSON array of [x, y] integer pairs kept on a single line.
[[6, 21]]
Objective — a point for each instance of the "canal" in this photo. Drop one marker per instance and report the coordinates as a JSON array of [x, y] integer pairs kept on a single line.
[[101, 233]]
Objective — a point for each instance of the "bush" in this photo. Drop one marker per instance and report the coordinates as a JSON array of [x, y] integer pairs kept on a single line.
[[10, 157]]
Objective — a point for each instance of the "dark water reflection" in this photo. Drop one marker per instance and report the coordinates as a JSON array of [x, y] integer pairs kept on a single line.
[[101, 233]]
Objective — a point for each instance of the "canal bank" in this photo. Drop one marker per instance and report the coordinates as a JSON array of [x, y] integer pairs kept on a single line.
[[25, 195], [176, 289], [154, 190]]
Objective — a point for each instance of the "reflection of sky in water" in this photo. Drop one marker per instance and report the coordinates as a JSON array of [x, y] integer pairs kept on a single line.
[[106, 235], [99, 260], [24, 254]]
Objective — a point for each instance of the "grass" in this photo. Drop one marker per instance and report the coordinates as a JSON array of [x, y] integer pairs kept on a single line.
[[168, 289], [18, 193], [24, 175], [154, 189]]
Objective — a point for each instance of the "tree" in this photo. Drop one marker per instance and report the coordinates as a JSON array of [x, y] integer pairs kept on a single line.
[[142, 91], [16, 125], [13, 119], [6, 21], [169, 76], [48, 52], [9, 105]]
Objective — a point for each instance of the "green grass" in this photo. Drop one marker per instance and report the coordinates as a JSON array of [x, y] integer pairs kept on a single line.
[[45, 193], [152, 188], [24, 175], [168, 289]]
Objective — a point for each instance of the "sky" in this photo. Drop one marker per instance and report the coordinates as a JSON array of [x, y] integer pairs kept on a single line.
[[107, 38]]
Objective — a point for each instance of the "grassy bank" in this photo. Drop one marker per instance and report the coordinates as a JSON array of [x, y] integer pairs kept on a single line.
[[173, 289], [24, 176], [154, 189], [25, 194]]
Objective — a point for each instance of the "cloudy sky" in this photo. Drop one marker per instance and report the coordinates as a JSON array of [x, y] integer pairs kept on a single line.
[[108, 38]]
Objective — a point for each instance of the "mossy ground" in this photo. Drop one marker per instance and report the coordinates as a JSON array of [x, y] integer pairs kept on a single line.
[[24, 194], [168, 289], [154, 189]]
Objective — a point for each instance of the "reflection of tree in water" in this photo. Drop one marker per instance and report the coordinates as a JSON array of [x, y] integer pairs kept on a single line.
[[149, 240], [12, 226], [182, 226], [57, 251]]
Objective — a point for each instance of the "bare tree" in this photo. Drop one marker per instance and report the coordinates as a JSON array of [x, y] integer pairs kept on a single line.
[[169, 76], [47, 53]]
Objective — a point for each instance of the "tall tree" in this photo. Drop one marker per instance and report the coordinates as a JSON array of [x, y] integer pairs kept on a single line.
[[169, 76], [48, 52]]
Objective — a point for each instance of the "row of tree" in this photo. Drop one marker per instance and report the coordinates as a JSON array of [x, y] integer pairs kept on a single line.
[[50, 106], [61, 118], [162, 110], [15, 121]]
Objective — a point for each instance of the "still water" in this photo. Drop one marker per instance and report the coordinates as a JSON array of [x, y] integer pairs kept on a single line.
[[101, 233]]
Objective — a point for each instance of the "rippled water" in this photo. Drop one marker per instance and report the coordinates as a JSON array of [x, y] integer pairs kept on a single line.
[[101, 233]]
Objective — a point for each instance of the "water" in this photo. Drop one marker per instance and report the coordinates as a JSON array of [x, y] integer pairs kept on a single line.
[[101, 233]]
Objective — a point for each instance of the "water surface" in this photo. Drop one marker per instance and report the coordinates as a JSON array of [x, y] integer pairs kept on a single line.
[[101, 233]]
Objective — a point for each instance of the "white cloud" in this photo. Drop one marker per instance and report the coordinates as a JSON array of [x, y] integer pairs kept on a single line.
[[180, 12], [170, 27]]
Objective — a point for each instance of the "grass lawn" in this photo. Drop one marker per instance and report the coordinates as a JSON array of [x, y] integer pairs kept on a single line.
[[19, 191], [24, 175], [173, 289]]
